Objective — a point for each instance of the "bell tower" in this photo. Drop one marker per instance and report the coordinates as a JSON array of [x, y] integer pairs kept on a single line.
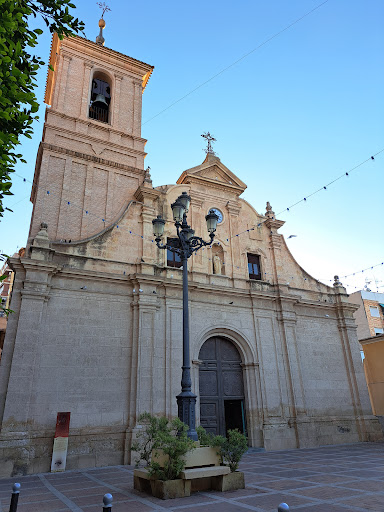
[[91, 158]]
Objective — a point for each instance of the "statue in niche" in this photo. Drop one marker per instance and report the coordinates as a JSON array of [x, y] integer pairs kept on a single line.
[[217, 265]]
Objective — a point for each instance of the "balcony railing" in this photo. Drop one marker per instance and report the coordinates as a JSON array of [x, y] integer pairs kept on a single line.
[[99, 114]]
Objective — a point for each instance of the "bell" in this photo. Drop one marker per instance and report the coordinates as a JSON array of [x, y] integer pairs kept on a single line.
[[100, 101]]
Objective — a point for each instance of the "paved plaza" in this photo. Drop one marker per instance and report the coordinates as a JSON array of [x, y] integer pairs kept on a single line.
[[327, 479]]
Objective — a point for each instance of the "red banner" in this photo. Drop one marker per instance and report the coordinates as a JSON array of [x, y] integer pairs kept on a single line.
[[62, 424]]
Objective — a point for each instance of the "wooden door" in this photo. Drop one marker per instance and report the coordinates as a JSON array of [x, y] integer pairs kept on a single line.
[[221, 386]]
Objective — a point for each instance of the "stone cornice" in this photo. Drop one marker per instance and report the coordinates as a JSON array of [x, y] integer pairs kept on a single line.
[[15, 264], [209, 182], [87, 50], [347, 306], [82, 137], [115, 58], [76, 154], [274, 223], [102, 126], [82, 156], [143, 193], [233, 207], [91, 158], [197, 198], [38, 265]]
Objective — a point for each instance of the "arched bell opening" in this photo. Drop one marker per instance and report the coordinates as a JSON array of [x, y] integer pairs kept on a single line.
[[221, 387], [99, 107]]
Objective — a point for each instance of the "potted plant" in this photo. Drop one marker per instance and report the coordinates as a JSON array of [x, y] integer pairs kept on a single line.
[[162, 445]]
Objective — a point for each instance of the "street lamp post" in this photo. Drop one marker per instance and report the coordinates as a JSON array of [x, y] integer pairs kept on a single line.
[[185, 245]]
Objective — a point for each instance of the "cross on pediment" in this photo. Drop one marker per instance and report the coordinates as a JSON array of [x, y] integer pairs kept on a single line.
[[208, 137]]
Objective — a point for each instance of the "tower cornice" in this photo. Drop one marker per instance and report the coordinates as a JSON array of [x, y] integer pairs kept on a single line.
[[89, 51]]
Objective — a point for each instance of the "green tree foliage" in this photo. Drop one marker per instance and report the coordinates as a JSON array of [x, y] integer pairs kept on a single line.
[[3, 258], [18, 70]]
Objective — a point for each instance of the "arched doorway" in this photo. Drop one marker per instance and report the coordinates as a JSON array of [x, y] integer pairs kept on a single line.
[[221, 387]]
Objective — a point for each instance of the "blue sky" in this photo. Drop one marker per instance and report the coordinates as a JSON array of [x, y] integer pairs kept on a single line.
[[290, 117]]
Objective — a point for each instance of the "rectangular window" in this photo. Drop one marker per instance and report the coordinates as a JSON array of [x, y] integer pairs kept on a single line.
[[173, 259], [254, 270], [378, 331], [374, 311]]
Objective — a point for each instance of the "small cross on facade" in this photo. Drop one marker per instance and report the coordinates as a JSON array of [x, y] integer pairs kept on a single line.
[[208, 137], [104, 7]]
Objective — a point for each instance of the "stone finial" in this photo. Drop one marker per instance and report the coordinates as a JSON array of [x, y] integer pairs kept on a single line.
[[338, 287], [41, 243], [337, 281], [41, 239], [269, 212], [104, 7], [100, 39]]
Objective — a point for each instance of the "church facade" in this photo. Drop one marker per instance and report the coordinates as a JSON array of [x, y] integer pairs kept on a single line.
[[97, 328]]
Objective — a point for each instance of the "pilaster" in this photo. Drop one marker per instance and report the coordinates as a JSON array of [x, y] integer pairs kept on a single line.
[[147, 196], [21, 383], [233, 209], [251, 376], [349, 343], [117, 101], [63, 87], [86, 88]]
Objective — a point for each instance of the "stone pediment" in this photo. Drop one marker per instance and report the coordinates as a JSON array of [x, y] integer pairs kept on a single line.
[[214, 174]]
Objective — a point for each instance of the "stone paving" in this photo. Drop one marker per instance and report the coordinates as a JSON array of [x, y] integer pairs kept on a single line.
[[327, 479]]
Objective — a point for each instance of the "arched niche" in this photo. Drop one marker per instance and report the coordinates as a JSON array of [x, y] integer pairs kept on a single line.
[[218, 263]]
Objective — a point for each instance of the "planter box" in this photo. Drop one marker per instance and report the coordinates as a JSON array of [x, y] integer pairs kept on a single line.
[[230, 482], [170, 489], [201, 456], [217, 478]]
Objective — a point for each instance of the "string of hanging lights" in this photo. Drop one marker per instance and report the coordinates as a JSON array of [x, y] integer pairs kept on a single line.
[[49, 193]]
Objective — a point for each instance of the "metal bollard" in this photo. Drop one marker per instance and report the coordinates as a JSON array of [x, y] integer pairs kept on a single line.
[[283, 507], [107, 501], [15, 497]]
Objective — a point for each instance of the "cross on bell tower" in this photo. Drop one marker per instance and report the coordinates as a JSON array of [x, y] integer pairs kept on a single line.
[[100, 39]]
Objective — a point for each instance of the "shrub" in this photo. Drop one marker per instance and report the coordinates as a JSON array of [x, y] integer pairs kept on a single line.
[[146, 438], [174, 442], [208, 439], [233, 448], [169, 437]]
